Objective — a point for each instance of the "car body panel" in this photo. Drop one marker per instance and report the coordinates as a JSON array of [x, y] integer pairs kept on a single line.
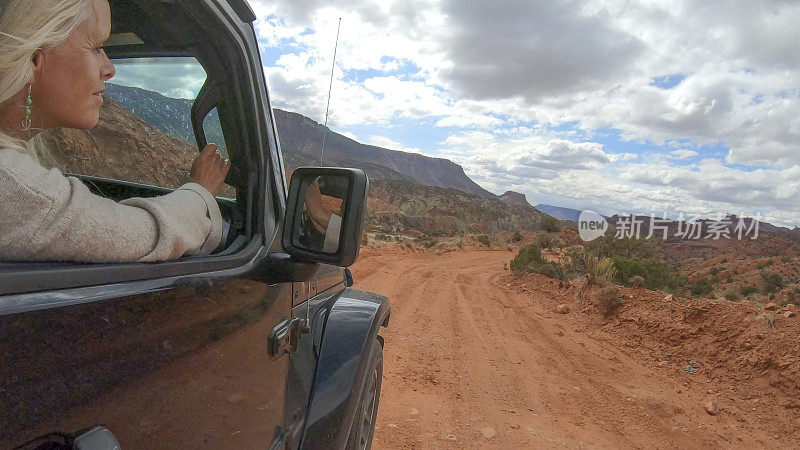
[[184, 367], [352, 323]]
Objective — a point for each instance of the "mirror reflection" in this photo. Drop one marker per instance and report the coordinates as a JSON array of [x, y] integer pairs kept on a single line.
[[320, 225]]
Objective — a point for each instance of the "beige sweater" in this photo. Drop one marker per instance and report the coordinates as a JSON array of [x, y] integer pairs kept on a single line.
[[45, 216]]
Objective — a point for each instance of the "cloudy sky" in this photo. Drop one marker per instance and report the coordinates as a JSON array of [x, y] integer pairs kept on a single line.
[[619, 106]]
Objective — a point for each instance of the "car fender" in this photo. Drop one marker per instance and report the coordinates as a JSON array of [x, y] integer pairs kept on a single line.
[[352, 322]]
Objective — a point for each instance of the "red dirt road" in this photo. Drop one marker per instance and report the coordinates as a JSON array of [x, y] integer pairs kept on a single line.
[[471, 362]]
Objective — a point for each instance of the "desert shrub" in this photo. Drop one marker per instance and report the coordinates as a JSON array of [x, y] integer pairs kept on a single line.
[[551, 269], [527, 257], [656, 274], [551, 224], [549, 240], [484, 239], [585, 262], [732, 295], [608, 246], [636, 281], [714, 279], [701, 286], [785, 258], [729, 278], [714, 270], [609, 299], [747, 290], [381, 237], [768, 318], [517, 236], [772, 281], [765, 264]]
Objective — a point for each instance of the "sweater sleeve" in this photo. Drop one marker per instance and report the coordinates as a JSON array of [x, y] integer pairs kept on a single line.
[[45, 216]]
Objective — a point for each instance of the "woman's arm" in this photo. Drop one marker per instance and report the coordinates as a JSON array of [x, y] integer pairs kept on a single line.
[[45, 216]]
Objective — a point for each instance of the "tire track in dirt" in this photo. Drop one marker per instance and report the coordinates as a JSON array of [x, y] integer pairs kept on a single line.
[[464, 353]]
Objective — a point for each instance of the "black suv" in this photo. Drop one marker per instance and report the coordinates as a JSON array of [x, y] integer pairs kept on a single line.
[[260, 344]]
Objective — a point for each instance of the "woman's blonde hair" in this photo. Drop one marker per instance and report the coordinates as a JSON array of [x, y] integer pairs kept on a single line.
[[26, 27]]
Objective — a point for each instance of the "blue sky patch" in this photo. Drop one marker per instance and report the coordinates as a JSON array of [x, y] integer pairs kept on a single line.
[[668, 81]]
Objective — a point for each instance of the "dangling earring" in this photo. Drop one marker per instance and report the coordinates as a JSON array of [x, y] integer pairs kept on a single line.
[[26, 123]]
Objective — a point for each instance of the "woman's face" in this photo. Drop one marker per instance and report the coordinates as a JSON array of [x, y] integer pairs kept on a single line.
[[69, 79]]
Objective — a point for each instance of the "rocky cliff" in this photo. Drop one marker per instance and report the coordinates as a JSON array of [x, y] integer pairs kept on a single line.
[[303, 136]]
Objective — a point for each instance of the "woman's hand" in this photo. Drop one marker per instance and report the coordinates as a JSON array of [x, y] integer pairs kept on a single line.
[[319, 214], [209, 169]]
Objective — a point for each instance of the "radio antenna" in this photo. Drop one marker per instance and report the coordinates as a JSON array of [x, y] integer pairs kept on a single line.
[[330, 85]]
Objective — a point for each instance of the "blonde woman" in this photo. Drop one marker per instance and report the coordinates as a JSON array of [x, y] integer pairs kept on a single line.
[[52, 74]]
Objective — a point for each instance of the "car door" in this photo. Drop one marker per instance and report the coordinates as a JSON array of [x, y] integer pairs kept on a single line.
[[172, 354]]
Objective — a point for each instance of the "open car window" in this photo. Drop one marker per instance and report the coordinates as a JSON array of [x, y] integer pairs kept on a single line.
[[172, 82], [144, 134]]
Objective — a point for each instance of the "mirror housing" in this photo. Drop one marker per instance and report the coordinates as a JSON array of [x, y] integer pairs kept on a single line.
[[346, 189]]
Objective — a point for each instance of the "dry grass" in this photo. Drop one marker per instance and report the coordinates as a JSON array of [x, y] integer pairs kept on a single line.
[[609, 299], [637, 281], [768, 318]]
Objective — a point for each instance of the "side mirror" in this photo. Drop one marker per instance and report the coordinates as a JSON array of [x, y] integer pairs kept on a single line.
[[325, 214]]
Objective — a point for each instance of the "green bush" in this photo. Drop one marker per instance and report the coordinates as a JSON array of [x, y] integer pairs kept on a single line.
[[551, 224], [656, 274], [551, 269], [583, 262], [772, 281], [702, 286], [529, 259], [517, 236], [528, 256], [549, 240], [747, 290], [484, 239]]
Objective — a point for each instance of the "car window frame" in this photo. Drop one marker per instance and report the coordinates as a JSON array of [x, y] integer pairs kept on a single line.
[[248, 125]]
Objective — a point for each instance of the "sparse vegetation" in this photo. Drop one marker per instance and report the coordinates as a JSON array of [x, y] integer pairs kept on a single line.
[[551, 224], [549, 240], [484, 239], [637, 281], [528, 257], [772, 281], [517, 236], [702, 286], [582, 262], [768, 318], [609, 299], [732, 295], [765, 264], [747, 290]]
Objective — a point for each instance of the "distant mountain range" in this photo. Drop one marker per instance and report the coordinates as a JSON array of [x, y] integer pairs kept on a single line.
[[559, 212]]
